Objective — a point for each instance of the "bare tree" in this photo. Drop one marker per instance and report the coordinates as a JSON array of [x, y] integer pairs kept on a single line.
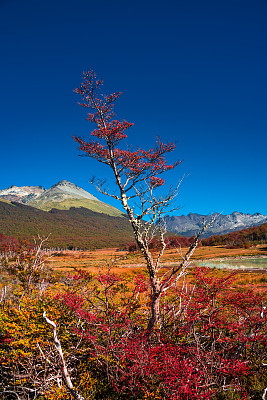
[[137, 176]]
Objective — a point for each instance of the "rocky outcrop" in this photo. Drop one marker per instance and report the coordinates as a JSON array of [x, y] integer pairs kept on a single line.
[[22, 194]]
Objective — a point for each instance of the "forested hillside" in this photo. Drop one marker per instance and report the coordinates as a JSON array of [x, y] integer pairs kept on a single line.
[[73, 228], [244, 238]]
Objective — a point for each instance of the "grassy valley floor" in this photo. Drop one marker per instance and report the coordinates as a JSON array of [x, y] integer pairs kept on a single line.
[[103, 258]]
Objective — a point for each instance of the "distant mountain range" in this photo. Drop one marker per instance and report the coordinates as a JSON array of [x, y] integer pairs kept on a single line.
[[189, 225], [75, 217]]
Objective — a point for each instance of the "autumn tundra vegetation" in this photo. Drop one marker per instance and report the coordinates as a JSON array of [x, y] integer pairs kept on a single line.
[[156, 332]]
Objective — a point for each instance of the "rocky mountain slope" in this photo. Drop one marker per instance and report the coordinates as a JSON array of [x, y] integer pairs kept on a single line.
[[23, 194], [188, 225], [63, 190], [63, 195]]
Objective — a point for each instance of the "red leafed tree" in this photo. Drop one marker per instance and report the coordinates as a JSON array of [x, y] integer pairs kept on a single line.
[[137, 174]]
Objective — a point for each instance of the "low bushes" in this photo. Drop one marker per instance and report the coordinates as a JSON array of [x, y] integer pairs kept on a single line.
[[210, 343]]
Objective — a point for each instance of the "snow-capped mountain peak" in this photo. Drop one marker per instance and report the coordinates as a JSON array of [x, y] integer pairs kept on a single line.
[[58, 192], [21, 194]]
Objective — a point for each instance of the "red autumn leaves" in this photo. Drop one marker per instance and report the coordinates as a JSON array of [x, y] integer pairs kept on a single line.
[[135, 165]]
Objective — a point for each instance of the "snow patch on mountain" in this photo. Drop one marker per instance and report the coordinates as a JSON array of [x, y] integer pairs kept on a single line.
[[34, 194], [22, 194]]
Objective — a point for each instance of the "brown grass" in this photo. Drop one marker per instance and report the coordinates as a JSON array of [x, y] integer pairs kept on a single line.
[[127, 265], [105, 258]]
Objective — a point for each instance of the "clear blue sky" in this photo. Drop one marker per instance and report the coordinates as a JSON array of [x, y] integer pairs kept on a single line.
[[191, 71]]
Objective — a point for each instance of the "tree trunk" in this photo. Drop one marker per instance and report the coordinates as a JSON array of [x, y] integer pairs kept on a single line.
[[155, 312]]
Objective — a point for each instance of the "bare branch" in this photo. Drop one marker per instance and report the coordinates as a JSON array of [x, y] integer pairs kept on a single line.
[[10, 392], [186, 260], [65, 372]]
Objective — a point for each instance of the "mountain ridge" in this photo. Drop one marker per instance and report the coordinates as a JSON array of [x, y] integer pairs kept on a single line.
[[189, 225], [22, 193], [63, 195]]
